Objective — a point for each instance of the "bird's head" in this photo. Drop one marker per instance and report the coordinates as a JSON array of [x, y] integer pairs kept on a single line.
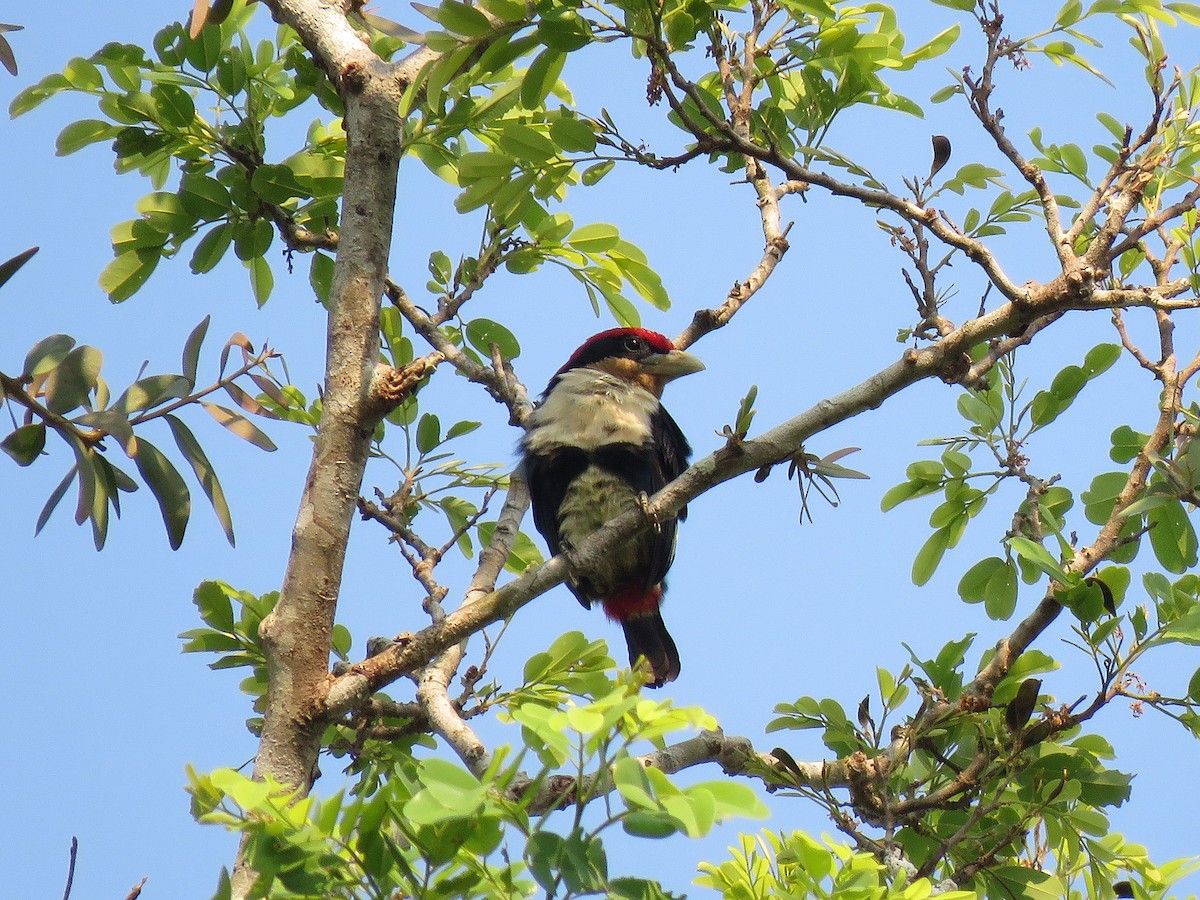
[[645, 358]]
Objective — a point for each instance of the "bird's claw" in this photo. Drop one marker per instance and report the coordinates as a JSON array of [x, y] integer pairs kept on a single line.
[[644, 505]]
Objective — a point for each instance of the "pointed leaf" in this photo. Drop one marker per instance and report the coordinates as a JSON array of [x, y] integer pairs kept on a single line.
[[239, 425], [541, 77], [1038, 556], [211, 248], [248, 403], [194, 454], [930, 555], [174, 499], [262, 281], [191, 350], [9, 267], [53, 500], [237, 339], [151, 391]]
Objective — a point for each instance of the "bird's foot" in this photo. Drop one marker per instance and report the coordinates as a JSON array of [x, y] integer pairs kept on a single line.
[[643, 500]]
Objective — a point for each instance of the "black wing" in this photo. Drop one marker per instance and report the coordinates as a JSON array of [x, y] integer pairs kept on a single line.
[[673, 450], [648, 469], [548, 478]]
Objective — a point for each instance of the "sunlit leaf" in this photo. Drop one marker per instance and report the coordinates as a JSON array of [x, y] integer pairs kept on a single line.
[[239, 425]]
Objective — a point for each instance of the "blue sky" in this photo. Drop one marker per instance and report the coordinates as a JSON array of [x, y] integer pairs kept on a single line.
[[105, 711]]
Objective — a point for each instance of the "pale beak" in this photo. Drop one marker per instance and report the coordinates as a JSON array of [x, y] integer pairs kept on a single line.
[[673, 364]]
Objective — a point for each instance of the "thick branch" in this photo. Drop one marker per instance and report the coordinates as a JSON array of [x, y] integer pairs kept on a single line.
[[296, 635]]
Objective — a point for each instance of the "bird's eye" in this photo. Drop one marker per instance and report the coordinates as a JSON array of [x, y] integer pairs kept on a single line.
[[633, 344]]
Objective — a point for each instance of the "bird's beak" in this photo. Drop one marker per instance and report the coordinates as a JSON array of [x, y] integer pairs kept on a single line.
[[673, 364]]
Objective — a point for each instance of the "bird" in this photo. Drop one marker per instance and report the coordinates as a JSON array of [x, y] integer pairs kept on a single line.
[[598, 444]]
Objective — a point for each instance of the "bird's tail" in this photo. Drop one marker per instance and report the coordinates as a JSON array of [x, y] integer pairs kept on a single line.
[[647, 637], [637, 609]]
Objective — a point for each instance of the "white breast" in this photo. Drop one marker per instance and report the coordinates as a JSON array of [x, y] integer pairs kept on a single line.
[[589, 409]]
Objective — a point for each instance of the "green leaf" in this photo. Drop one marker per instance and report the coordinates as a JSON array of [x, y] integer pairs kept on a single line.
[[80, 134], [1027, 884], [175, 107], [1038, 556], [1193, 690], [462, 18], [174, 499], [448, 792], [974, 407], [541, 77], [572, 135], [930, 555], [320, 276], [37, 94], [73, 379], [204, 196], [213, 603], [458, 429], [124, 276], [165, 212], [972, 587], [150, 391], [191, 349], [1172, 537], [429, 432], [252, 239], [211, 248], [592, 174], [26, 443], [934, 47], [595, 238], [525, 143], [483, 164], [53, 500], [1073, 158], [1101, 496], [47, 354], [1100, 359], [262, 281], [1185, 629], [482, 333], [275, 184], [203, 470], [564, 29], [1126, 444]]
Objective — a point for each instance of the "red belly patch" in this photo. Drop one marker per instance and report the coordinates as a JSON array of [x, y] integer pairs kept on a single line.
[[633, 603]]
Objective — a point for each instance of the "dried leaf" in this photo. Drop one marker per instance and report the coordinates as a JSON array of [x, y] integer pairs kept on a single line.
[[239, 425], [1022, 705], [270, 388], [7, 58], [9, 267], [248, 403], [198, 18], [941, 153], [237, 340]]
